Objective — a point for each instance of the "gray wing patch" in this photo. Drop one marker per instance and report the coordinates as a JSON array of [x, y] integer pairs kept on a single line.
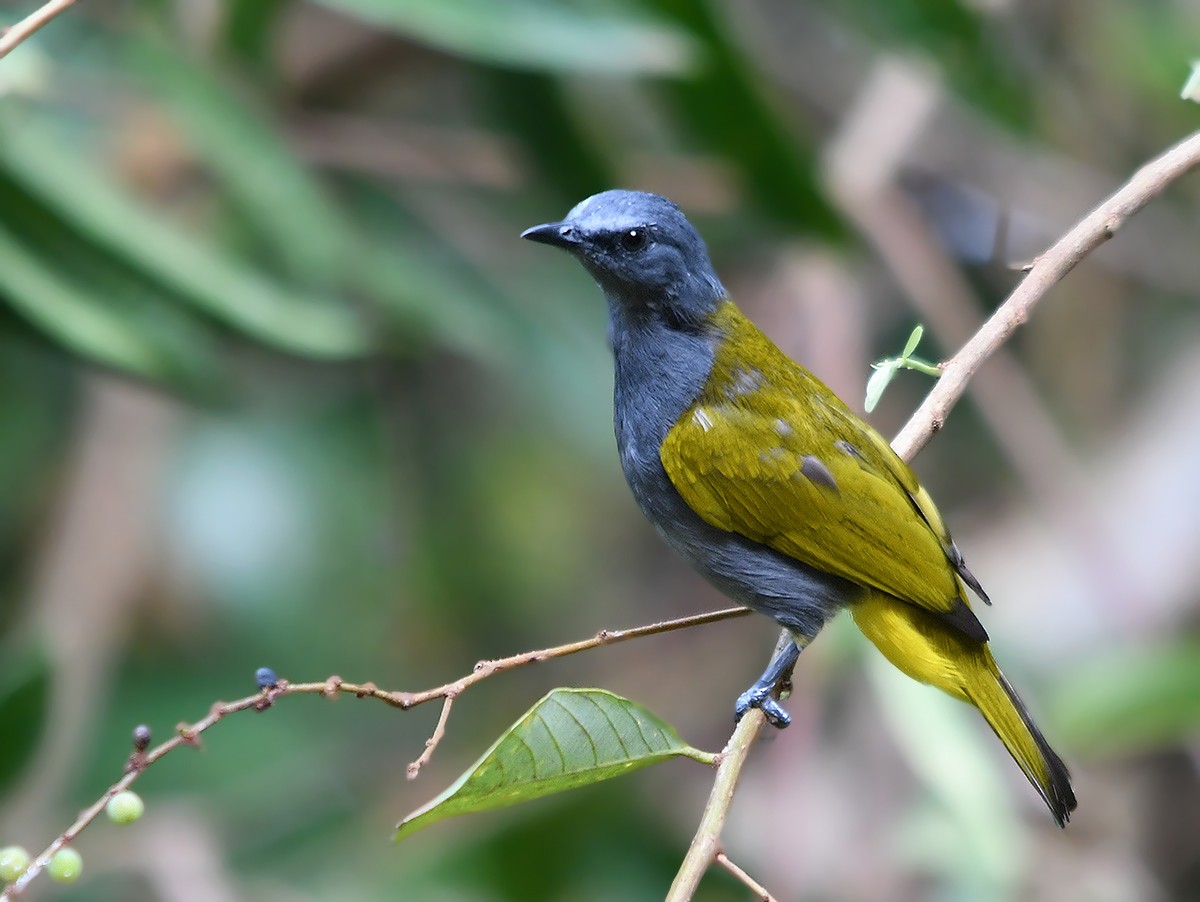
[[817, 473]]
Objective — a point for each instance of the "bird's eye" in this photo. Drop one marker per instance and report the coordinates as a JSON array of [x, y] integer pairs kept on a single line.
[[633, 240]]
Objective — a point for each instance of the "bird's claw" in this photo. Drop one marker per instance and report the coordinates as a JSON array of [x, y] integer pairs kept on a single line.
[[760, 697]]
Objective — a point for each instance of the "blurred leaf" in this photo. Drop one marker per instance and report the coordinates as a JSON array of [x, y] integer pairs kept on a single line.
[[964, 39], [533, 107], [428, 302], [249, 28], [1191, 87], [274, 190], [192, 270], [24, 701], [1143, 60], [885, 371], [70, 315], [729, 112], [1132, 699], [85, 300], [571, 738], [423, 286], [536, 34]]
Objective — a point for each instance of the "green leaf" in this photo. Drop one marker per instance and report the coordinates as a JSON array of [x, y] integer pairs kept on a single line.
[[1130, 700], [535, 34], [571, 738], [913, 340], [885, 370], [184, 264], [24, 701]]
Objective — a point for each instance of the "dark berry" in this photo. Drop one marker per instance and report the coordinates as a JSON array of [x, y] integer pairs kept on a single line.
[[141, 737]]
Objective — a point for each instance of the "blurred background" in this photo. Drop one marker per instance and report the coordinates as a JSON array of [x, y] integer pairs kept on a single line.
[[279, 385]]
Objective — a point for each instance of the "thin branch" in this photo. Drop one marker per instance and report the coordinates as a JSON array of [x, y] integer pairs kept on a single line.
[[755, 887], [485, 669], [189, 734], [1047, 271], [431, 743], [704, 848], [17, 34]]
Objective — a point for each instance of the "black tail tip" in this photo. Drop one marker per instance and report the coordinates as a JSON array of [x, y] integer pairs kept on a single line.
[[1060, 810], [1060, 796]]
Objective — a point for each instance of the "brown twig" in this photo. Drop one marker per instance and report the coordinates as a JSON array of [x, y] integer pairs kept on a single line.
[[1049, 269], [707, 843], [431, 743], [755, 887], [17, 34], [485, 669], [189, 734]]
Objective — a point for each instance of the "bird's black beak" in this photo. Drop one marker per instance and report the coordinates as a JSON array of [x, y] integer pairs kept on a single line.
[[557, 234]]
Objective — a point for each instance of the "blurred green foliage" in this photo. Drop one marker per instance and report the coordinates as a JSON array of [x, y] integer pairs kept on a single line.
[[371, 432]]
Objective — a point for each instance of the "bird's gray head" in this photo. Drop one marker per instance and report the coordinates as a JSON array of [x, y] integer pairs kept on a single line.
[[643, 254]]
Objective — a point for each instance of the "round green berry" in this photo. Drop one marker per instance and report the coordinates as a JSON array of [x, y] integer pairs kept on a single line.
[[13, 862], [65, 866], [125, 807]]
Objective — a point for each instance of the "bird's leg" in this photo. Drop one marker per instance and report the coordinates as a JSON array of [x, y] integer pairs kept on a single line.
[[759, 695]]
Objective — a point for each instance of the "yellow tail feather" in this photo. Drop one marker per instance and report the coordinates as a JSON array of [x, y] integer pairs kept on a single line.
[[929, 651]]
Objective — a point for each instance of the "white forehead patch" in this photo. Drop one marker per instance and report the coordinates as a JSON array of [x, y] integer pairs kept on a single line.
[[613, 210], [580, 208]]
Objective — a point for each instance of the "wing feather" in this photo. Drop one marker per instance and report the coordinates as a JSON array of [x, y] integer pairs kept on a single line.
[[805, 477]]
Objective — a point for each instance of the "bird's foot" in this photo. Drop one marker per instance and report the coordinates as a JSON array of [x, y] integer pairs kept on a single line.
[[758, 696]]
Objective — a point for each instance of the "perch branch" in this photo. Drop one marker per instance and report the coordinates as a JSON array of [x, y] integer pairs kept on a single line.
[[19, 33], [707, 844]]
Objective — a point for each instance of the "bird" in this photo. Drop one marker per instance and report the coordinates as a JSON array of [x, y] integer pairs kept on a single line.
[[770, 486]]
